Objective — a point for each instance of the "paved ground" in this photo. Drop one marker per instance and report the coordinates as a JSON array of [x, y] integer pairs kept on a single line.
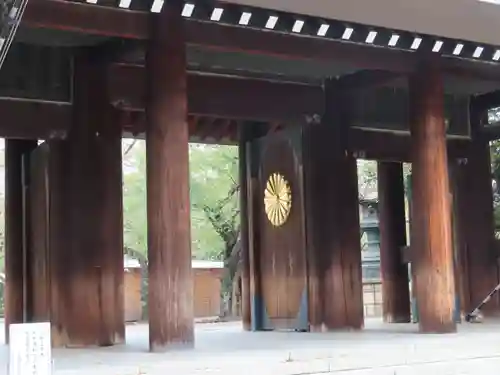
[[222, 348]]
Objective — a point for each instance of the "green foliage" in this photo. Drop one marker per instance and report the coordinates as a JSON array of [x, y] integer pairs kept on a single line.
[[495, 174], [495, 159], [134, 198], [367, 176], [214, 198]]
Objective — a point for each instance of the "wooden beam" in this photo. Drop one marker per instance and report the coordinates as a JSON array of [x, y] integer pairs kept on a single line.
[[86, 19], [43, 120], [487, 101], [225, 97], [31, 120], [368, 79], [223, 129], [114, 22], [205, 126], [381, 145]]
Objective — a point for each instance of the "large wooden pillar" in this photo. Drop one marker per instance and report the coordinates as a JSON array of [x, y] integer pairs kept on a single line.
[[110, 230], [475, 221], [167, 151], [17, 294], [431, 237], [332, 221], [395, 287], [246, 308], [86, 224]]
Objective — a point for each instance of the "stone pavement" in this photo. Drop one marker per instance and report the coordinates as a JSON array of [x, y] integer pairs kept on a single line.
[[222, 348]]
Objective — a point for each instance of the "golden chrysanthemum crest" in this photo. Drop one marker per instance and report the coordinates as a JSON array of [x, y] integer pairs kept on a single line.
[[277, 199]]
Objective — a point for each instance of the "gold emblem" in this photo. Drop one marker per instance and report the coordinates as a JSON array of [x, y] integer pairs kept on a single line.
[[277, 199]]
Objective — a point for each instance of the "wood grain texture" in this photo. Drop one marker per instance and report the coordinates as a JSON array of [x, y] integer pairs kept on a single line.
[[431, 210], [475, 222], [39, 239], [334, 249], [246, 310], [167, 152], [254, 248], [53, 121], [254, 235], [392, 224], [282, 258], [110, 230], [460, 221], [15, 266], [86, 227]]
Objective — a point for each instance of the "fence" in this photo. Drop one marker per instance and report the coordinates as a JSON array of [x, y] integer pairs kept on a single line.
[[372, 299]]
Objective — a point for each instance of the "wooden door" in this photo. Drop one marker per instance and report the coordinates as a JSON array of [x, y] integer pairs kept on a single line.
[[280, 221]]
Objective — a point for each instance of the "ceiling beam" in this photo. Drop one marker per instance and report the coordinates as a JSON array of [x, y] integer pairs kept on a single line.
[[488, 101], [23, 119], [368, 79], [85, 18], [115, 22], [225, 97], [382, 145], [32, 120]]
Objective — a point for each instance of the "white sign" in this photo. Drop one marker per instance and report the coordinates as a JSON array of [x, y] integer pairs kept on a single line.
[[30, 349]]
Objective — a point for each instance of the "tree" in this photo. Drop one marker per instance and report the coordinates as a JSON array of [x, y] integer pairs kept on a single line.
[[495, 175], [367, 177], [134, 199], [494, 118], [214, 202], [214, 199]]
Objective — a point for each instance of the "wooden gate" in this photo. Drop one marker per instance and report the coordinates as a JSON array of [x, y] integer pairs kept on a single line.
[[279, 220]]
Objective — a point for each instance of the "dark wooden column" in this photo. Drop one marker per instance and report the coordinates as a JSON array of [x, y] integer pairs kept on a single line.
[[110, 230], [332, 224], [246, 308], [431, 239], [86, 224], [16, 262], [167, 150], [475, 221], [392, 223]]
